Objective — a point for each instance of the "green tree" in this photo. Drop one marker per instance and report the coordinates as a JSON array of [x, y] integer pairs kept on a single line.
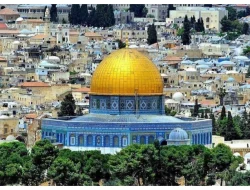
[[241, 14], [74, 15], [44, 11], [240, 179], [53, 13], [186, 39], [247, 11], [144, 12], [134, 165], [180, 31], [226, 24], [230, 127], [92, 18], [83, 14], [67, 106], [223, 157], [232, 13], [95, 165], [43, 154], [222, 93], [214, 130], [64, 21], [246, 52], [64, 172], [196, 108], [13, 157], [152, 34], [223, 113], [120, 44], [138, 10], [245, 28], [202, 114]]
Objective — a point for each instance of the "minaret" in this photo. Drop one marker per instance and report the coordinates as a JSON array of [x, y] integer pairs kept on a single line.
[[47, 22], [59, 35]]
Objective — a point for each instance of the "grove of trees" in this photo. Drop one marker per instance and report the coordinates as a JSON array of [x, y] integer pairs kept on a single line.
[[143, 165], [102, 16]]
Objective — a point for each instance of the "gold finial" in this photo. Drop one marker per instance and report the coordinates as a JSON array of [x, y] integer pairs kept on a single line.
[[126, 43]]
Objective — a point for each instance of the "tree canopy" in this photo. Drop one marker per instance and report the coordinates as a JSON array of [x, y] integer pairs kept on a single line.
[[152, 34], [67, 106]]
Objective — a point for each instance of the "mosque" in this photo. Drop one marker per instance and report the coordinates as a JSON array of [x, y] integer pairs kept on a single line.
[[126, 107]]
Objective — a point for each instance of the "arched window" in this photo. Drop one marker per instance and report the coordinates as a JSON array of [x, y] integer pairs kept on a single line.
[[134, 139], [72, 139], [89, 140], [80, 140], [106, 141], [124, 141], [142, 140], [116, 141], [98, 141], [151, 139], [207, 19]]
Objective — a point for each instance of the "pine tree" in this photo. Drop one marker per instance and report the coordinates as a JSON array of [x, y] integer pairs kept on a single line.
[[67, 106], [186, 34], [53, 13], [223, 113], [83, 14], [152, 34]]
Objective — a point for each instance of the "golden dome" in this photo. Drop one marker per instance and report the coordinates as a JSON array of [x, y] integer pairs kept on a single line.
[[126, 72]]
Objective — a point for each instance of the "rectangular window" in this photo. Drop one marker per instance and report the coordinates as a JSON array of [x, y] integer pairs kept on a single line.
[[72, 140], [124, 142], [5, 130]]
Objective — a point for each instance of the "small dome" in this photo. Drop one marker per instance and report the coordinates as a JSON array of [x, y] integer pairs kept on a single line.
[[178, 96], [10, 138], [230, 79], [178, 134], [237, 154], [16, 42], [19, 19]]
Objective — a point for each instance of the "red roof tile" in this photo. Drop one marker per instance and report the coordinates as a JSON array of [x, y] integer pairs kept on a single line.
[[34, 84], [7, 11], [3, 26]]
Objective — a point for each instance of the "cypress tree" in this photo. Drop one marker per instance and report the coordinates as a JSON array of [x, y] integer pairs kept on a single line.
[[223, 113], [53, 13], [230, 132], [91, 18], [196, 108], [214, 129], [83, 14], [44, 11], [152, 34], [197, 25], [110, 15], [67, 106], [75, 14], [202, 114], [245, 28], [186, 34], [202, 26]]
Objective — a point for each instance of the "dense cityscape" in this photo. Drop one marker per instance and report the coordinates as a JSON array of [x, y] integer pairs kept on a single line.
[[124, 95]]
